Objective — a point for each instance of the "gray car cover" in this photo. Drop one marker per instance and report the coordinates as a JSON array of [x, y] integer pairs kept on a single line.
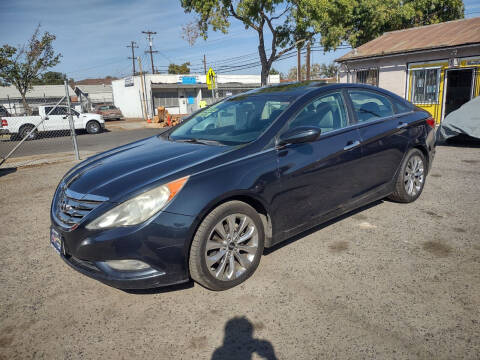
[[465, 120]]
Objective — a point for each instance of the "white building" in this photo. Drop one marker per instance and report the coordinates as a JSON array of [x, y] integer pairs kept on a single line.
[[179, 94]]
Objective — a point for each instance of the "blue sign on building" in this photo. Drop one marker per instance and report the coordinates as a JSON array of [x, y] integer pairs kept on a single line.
[[189, 80]]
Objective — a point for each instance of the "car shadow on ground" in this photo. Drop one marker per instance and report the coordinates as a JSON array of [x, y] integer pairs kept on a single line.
[[319, 227], [6, 171], [239, 343]]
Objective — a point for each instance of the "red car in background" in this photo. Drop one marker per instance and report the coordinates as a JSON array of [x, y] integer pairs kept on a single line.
[[109, 112]]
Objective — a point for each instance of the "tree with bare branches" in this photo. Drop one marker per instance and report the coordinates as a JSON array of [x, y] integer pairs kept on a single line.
[[23, 66]]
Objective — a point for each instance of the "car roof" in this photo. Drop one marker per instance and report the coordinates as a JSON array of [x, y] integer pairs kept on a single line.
[[298, 89]]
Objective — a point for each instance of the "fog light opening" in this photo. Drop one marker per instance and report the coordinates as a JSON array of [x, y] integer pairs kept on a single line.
[[127, 265]]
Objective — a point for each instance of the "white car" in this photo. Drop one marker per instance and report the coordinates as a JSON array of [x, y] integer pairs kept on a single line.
[[57, 120]]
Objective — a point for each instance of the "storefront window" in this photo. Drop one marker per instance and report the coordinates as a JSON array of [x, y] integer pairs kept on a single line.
[[425, 85], [165, 97]]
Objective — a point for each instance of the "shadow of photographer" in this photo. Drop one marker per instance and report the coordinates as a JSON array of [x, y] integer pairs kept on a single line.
[[238, 342]]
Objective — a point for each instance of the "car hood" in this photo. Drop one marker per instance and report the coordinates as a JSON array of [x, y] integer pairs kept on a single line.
[[128, 169]]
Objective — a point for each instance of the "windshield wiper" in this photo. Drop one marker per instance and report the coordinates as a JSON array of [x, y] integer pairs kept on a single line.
[[200, 141]]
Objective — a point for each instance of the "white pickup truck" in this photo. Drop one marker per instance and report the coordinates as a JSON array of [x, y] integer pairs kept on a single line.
[[57, 120]]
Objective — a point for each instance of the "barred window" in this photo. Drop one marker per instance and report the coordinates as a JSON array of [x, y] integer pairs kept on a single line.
[[425, 84], [367, 77], [167, 98]]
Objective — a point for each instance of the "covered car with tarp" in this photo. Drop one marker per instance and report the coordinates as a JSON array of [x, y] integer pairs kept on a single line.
[[463, 121]]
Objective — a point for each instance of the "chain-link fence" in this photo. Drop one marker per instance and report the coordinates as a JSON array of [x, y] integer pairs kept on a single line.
[[42, 126]]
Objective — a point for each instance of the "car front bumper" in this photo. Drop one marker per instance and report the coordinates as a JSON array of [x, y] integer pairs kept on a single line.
[[162, 243]]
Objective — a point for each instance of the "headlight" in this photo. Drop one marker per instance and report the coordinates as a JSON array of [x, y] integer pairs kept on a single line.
[[140, 208]]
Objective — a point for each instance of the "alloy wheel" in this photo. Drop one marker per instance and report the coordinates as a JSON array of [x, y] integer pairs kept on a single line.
[[414, 175], [231, 247]]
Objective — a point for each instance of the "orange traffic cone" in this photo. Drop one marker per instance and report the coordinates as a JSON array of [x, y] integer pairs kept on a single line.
[[149, 120], [169, 120]]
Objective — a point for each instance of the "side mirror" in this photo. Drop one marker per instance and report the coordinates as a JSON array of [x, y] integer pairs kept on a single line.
[[299, 135]]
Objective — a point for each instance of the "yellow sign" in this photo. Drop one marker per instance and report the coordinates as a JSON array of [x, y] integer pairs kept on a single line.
[[211, 79]]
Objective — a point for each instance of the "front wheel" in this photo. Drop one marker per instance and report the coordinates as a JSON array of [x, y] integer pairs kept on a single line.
[[227, 246], [93, 127], [411, 178]]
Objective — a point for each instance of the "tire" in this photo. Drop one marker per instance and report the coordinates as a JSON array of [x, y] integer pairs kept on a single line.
[[24, 130], [411, 177], [93, 127], [244, 255]]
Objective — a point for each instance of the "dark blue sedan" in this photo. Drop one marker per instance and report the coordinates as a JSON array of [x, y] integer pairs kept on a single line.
[[202, 200]]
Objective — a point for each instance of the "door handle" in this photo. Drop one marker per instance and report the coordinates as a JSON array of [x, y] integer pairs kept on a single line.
[[351, 145], [65, 117], [402, 125]]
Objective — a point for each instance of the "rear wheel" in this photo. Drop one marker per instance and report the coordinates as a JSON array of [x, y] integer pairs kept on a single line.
[[25, 130], [93, 127], [411, 178], [227, 246]]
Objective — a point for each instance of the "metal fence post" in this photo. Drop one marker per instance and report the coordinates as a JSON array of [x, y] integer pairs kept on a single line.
[[70, 120]]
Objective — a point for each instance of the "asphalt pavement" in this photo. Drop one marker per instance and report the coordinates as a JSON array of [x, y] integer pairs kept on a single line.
[[390, 281], [86, 142]]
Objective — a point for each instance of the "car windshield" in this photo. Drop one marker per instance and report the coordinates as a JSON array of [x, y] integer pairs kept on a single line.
[[234, 121]]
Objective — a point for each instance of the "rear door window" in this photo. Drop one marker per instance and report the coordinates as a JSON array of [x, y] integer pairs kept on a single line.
[[369, 105], [326, 112]]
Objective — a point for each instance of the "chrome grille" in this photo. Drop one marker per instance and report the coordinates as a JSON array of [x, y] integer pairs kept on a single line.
[[72, 207]]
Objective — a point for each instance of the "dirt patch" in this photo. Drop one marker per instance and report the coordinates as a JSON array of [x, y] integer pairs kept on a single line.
[[433, 214], [259, 326], [198, 342], [459, 230], [437, 248], [436, 175], [338, 247], [471, 161]]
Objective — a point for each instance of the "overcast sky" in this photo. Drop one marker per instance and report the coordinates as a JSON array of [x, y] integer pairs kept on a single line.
[[92, 35]]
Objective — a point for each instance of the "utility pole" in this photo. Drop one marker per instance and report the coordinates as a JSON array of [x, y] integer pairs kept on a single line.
[[133, 45], [143, 87], [149, 36], [307, 61], [299, 63], [205, 64]]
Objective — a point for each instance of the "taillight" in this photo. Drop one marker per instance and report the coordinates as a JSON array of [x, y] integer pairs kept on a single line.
[[4, 122], [431, 122]]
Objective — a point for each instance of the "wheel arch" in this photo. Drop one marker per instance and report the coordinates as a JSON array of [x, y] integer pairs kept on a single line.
[[23, 126], [93, 120], [424, 151], [251, 199]]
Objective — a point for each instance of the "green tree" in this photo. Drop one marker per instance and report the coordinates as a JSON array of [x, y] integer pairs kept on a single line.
[[273, 71], [329, 70], [358, 21], [179, 69], [282, 18], [50, 78], [317, 71], [22, 66]]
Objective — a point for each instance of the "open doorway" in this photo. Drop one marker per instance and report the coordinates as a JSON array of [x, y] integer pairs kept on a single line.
[[459, 88]]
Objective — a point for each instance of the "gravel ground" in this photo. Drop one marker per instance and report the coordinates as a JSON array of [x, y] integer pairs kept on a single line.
[[389, 281]]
